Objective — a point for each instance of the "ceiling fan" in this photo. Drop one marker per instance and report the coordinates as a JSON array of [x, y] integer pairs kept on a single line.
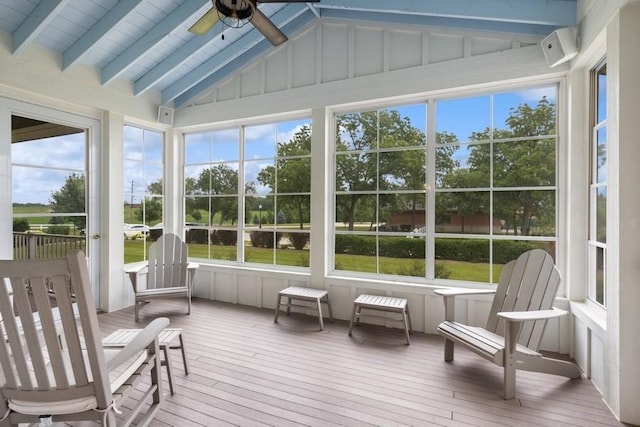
[[236, 13]]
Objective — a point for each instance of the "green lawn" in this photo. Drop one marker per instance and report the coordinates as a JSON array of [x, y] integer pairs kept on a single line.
[[454, 270], [19, 209]]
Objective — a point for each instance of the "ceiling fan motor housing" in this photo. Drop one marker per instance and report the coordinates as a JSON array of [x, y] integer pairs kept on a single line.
[[236, 9]]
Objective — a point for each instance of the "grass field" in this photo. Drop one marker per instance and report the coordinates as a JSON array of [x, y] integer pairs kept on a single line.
[[454, 270]]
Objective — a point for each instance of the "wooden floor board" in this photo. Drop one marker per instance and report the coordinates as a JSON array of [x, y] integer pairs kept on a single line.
[[246, 370]]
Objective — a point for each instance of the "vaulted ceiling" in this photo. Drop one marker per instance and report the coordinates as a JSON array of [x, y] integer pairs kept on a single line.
[[148, 43]]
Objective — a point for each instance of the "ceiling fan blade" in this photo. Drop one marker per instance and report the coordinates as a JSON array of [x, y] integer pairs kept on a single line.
[[267, 28], [204, 24]]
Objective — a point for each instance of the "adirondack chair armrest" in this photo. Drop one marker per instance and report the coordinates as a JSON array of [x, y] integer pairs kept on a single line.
[[140, 342], [191, 272], [449, 295], [137, 269], [134, 272], [521, 316]]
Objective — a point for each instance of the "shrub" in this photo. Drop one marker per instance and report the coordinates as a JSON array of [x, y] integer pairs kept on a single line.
[[59, 229], [155, 233], [20, 225], [194, 235], [299, 240], [264, 239], [401, 247], [227, 237]]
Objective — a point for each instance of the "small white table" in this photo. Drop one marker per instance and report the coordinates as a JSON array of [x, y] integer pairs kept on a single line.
[[122, 337], [318, 296], [382, 303]]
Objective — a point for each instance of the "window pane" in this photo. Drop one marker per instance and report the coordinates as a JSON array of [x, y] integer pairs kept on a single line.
[[293, 249], [601, 94], [464, 212], [294, 138], [525, 213], [601, 155], [260, 141], [224, 242], [401, 212], [223, 210], [402, 170], [525, 163], [259, 177], [194, 177], [197, 148], [522, 113], [196, 209], [402, 256], [355, 211], [601, 215], [355, 252], [600, 275], [294, 175], [462, 259], [356, 172], [294, 211], [468, 119], [357, 131], [463, 166]]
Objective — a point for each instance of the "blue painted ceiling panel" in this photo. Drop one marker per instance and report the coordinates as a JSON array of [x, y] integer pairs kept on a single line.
[[148, 42]]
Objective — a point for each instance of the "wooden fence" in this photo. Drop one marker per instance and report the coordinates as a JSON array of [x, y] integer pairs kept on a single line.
[[41, 246]]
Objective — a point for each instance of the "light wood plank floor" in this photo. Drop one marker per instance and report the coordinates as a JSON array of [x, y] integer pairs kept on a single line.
[[246, 370]]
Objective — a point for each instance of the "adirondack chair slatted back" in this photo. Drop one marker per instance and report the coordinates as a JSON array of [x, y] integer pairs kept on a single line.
[[167, 262], [33, 366], [528, 283]]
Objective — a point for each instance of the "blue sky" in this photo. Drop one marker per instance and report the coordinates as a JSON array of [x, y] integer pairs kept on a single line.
[[56, 158]]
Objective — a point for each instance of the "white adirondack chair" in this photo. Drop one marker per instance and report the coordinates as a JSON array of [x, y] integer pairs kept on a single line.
[[80, 380], [169, 274], [521, 307]]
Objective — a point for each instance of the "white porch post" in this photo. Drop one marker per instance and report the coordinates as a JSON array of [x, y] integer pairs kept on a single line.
[[623, 214], [321, 169], [114, 292]]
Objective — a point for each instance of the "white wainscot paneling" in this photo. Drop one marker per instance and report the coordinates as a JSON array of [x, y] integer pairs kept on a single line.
[[250, 81], [598, 368], [335, 53], [445, 48], [341, 301], [203, 284], [581, 344], [369, 48], [481, 45], [304, 60], [224, 287], [249, 290], [405, 49], [276, 71], [227, 90]]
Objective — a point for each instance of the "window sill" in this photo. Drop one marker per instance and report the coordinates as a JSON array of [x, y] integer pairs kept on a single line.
[[594, 317]]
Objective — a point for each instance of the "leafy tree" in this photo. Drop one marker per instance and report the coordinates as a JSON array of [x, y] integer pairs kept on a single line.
[[525, 159], [70, 199], [291, 174], [218, 180], [360, 168], [151, 211]]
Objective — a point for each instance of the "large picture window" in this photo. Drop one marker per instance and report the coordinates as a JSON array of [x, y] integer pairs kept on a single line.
[[455, 205], [247, 193], [597, 243], [143, 190]]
